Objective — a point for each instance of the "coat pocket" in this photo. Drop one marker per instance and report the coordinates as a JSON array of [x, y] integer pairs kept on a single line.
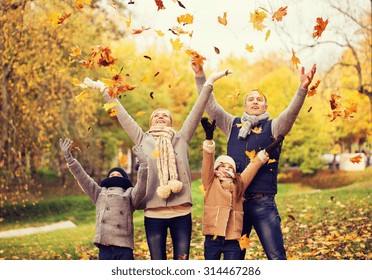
[[238, 221], [211, 214]]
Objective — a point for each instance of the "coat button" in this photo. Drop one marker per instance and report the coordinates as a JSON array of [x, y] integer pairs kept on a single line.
[[121, 213], [119, 226], [108, 208]]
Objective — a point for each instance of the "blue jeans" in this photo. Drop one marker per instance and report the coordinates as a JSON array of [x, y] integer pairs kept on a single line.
[[156, 234], [263, 215], [215, 247], [112, 252]]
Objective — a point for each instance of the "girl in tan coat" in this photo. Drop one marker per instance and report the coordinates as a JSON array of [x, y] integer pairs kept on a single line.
[[223, 199]]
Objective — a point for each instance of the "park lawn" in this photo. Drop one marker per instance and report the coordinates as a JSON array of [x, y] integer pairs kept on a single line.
[[329, 224]]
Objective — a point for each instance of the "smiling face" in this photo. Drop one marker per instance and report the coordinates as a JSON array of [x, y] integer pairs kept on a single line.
[[161, 117], [226, 167], [255, 103]]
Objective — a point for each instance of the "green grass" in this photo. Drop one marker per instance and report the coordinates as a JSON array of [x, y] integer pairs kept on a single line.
[[327, 224]]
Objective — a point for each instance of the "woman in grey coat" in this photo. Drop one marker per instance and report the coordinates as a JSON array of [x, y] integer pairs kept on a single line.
[[115, 199], [168, 199]]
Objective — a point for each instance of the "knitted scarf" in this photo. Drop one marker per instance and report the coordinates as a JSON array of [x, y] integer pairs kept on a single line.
[[249, 122], [166, 161], [224, 175]]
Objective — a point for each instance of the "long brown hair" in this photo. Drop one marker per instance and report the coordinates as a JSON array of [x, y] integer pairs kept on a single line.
[[239, 185]]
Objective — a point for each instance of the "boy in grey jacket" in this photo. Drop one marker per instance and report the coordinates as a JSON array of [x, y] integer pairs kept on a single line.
[[115, 199]]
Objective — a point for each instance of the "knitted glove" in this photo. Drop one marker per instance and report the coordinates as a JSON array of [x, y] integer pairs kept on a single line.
[[208, 127], [263, 156], [138, 152], [216, 76], [65, 148], [94, 84]]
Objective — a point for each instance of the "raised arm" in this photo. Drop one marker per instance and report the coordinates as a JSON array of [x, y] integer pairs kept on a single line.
[[192, 121], [86, 183], [139, 190], [130, 126], [213, 109], [283, 124], [207, 171]]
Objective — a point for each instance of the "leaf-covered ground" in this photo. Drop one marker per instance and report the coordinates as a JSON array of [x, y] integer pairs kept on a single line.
[[317, 225]]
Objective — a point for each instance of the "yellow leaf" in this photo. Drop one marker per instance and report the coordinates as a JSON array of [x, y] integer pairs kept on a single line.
[[249, 48], [109, 106], [244, 242], [214, 237], [75, 51], [240, 124], [123, 159], [108, 82], [155, 154], [295, 59], [113, 112], [82, 96], [250, 154], [268, 32], [176, 44], [271, 160], [186, 19], [223, 20], [140, 113], [257, 19], [128, 22], [257, 130], [160, 33], [145, 79]]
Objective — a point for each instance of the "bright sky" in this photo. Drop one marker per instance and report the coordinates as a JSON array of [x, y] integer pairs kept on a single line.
[[232, 38]]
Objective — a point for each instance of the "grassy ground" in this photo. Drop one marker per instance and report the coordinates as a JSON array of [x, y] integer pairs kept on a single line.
[[328, 224]]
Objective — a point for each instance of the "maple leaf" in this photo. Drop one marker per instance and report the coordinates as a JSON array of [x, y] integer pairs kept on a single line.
[[196, 57], [334, 115], [176, 44], [334, 101], [257, 130], [312, 90], [139, 31], [176, 30], [280, 13], [257, 19], [356, 159], [244, 242], [160, 4], [320, 27], [160, 33], [185, 19], [223, 20], [56, 19], [100, 55], [250, 154], [75, 51], [117, 85], [249, 48], [295, 59], [82, 96]]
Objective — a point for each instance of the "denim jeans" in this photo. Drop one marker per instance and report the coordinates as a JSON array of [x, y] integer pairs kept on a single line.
[[215, 247], [263, 215], [180, 231], [112, 252]]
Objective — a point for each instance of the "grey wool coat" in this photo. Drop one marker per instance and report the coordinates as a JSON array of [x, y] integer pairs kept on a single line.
[[180, 143], [114, 206]]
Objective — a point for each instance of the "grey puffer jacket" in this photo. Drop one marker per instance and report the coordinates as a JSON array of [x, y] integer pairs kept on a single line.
[[114, 206]]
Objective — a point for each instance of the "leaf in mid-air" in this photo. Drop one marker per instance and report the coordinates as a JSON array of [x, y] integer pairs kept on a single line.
[[257, 19], [280, 13], [223, 20], [319, 27], [295, 59]]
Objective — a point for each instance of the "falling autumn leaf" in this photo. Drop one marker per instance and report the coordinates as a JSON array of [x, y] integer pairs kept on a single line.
[[82, 96], [139, 31], [176, 44], [334, 101], [279, 14], [146, 56], [128, 22], [271, 160], [179, 3], [250, 154], [113, 112], [123, 159], [140, 113], [109, 106], [117, 85], [160, 33], [240, 124], [176, 30], [79, 4], [257, 19], [75, 51], [216, 50], [249, 48], [257, 130], [312, 90], [223, 20], [234, 96], [320, 27], [100, 56], [295, 59], [155, 154], [160, 4], [157, 73], [152, 95], [268, 32], [185, 19], [356, 159], [196, 57]]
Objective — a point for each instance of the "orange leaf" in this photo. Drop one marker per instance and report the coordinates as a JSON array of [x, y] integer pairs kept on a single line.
[[75, 51], [295, 59], [185, 19], [312, 90], [356, 159], [160, 4], [100, 55], [257, 130], [139, 31], [279, 14], [244, 242], [197, 58], [62, 18], [320, 27], [250, 154], [223, 20]]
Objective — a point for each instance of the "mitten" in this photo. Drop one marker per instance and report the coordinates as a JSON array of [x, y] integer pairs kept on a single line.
[[139, 153], [94, 84], [216, 76], [208, 128], [263, 156], [65, 148]]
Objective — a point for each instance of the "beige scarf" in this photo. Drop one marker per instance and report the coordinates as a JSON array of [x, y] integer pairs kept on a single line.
[[166, 161]]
